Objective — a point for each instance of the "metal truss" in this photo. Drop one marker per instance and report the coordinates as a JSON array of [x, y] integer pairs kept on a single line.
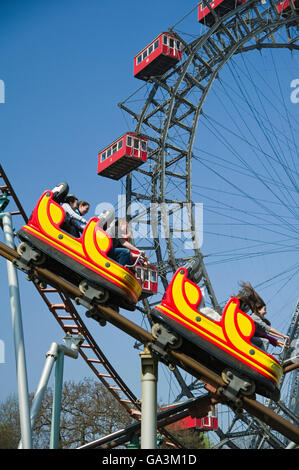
[[169, 113], [65, 313]]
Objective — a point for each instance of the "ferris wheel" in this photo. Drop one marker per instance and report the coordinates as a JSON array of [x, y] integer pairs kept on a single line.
[[211, 184], [219, 118]]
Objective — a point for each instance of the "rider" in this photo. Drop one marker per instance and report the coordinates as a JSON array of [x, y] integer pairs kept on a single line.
[[82, 209], [122, 243], [250, 300], [70, 204]]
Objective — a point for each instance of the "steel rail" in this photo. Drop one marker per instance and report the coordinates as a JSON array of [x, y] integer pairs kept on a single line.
[[64, 303], [8, 189], [196, 407], [75, 326], [66, 290], [78, 327], [206, 56], [180, 359], [120, 391], [291, 367]]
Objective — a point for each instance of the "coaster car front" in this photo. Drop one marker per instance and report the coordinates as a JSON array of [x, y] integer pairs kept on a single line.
[[217, 344], [79, 259]]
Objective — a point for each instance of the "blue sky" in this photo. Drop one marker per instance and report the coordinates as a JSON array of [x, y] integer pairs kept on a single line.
[[66, 65]]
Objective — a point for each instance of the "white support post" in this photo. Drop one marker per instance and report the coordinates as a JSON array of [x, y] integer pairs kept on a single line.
[[149, 379], [16, 314], [57, 397], [70, 348]]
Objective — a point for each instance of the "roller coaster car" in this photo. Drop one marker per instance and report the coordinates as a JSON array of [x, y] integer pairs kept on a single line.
[[79, 259], [219, 345]]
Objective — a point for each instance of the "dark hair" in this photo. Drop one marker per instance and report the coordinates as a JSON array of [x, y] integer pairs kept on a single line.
[[249, 297], [84, 203], [70, 199]]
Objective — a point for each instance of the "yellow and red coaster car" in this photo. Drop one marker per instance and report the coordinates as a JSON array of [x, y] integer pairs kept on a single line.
[[218, 344], [77, 259]]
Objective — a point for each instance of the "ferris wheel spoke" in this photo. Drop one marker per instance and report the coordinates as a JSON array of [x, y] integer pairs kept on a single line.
[[171, 114]]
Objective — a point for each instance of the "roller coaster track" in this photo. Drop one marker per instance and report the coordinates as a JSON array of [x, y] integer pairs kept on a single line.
[[169, 109], [191, 366], [64, 311], [68, 291], [67, 316]]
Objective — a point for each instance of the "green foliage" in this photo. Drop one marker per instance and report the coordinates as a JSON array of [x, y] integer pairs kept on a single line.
[[9, 423], [88, 412]]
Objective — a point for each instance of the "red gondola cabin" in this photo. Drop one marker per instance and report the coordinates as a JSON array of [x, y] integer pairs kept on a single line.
[[124, 155], [221, 7], [207, 423], [158, 57], [284, 7], [148, 279]]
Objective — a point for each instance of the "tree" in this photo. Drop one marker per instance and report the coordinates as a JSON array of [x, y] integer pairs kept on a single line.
[[88, 412], [9, 423]]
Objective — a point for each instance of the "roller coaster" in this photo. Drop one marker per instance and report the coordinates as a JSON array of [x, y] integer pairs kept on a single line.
[[219, 353], [100, 277], [163, 340]]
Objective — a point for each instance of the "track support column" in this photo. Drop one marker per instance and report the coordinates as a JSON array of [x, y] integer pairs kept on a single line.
[[57, 397], [149, 379], [17, 324]]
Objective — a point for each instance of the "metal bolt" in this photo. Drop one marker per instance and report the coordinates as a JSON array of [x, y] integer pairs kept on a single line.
[[173, 340], [229, 375], [246, 386]]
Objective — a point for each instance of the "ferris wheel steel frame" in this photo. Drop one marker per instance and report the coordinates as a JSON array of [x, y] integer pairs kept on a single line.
[[61, 306], [237, 24], [207, 54]]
